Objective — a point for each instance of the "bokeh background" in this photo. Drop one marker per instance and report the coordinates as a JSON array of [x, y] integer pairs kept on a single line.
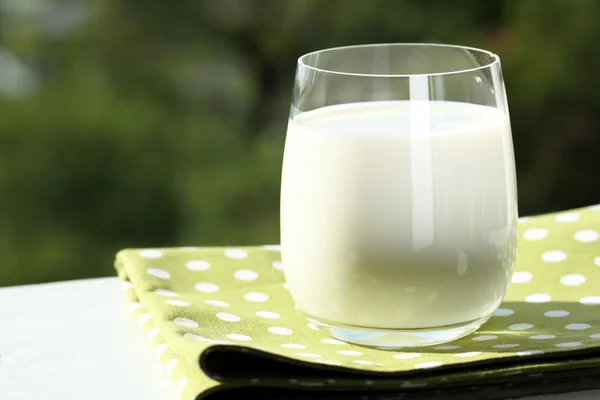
[[157, 123]]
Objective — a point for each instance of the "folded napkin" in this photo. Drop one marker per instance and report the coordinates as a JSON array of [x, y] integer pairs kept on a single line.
[[223, 323]]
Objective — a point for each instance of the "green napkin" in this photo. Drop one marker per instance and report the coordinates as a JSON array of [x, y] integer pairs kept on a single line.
[[221, 320]]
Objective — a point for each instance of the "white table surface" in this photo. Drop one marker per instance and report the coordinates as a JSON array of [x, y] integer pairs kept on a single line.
[[76, 340]]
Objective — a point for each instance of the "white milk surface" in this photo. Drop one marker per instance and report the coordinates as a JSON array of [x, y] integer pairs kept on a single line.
[[400, 214]]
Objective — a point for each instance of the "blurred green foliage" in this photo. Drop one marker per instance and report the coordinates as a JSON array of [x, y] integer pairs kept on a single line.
[[157, 123]]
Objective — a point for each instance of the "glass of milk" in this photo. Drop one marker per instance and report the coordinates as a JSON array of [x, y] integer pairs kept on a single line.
[[398, 198]]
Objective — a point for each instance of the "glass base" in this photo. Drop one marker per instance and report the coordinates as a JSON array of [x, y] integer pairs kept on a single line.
[[389, 339]]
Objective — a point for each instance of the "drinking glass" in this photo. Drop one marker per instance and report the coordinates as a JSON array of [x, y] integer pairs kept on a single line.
[[398, 195]]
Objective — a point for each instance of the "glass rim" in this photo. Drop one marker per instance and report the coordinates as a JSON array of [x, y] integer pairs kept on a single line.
[[495, 60]]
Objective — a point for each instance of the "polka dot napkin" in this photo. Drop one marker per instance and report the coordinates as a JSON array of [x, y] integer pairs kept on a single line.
[[221, 320]]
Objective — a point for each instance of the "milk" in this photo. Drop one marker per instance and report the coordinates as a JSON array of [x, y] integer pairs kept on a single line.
[[398, 214]]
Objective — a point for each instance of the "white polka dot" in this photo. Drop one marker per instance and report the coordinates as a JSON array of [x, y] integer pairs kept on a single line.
[[578, 327], [520, 327], [126, 285], [293, 346], [554, 256], [535, 234], [196, 337], [236, 254], [556, 313], [590, 300], [152, 333], [328, 362], [239, 337], [165, 292], [245, 275], [572, 280], [188, 323], [523, 220], [160, 349], [135, 306], [505, 346], [538, 298], [181, 384], [178, 303], [278, 265], [308, 355], [197, 265], [542, 337], [333, 341], [351, 353], [206, 287], [268, 314], [151, 253], [406, 356], [568, 344], [256, 297], [313, 327], [158, 273], [446, 348], [529, 353], [286, 286], [228, 317], [503, 312], [429, 364], [277, 330], [272, 247], [567, 217], [521, 277], [468, 354], [484, 338], [586, 236], [171, 366], [409, 384], [142, 319], [364, 362], [216, 303], [595, 336]]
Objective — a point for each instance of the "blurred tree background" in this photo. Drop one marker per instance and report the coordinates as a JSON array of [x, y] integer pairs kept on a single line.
[[156, 123]]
